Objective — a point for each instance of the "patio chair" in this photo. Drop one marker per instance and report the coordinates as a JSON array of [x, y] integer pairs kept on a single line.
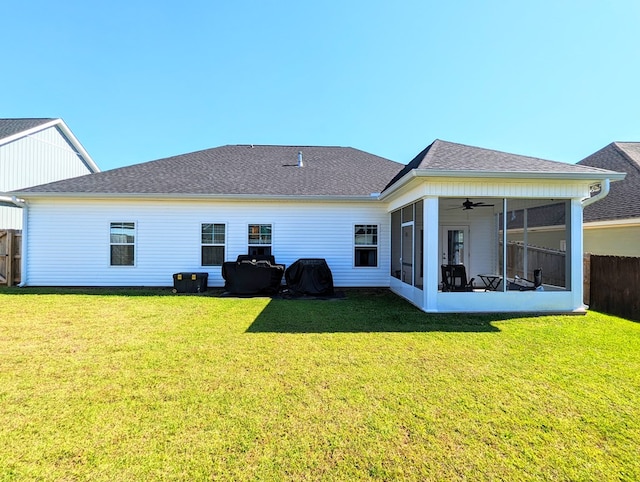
[[454, 278], [522, 284]]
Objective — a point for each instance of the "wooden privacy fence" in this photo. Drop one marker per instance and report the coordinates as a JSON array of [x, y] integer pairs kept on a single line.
[[10, 255], [551, 261], [615, 285]]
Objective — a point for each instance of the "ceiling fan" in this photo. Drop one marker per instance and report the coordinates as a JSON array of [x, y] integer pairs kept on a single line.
[[470, 205]]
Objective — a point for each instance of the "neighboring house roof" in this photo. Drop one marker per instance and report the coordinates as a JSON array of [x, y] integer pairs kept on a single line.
[[623, 200], [241, 170], [14, 129], [10, 127], [451, 159]]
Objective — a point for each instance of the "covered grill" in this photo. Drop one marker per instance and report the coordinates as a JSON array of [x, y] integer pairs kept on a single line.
[[250, 275], [309, 276]]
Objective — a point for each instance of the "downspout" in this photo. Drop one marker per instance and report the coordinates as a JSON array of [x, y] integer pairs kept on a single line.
[[21, 203], [25, 231], [604, 190]]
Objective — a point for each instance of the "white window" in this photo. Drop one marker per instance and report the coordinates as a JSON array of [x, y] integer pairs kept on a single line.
[[122, 240], [366, 245], [259, 239], [212, 238]]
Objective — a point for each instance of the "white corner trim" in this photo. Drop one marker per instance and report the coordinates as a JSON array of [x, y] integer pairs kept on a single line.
[[81, 150]]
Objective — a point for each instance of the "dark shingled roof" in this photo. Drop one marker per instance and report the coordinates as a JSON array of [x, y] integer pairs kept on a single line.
[[242, 170], [9, 127], [449, 156], [623, 200]]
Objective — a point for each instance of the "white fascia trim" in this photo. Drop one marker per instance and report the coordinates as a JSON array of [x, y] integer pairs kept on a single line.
[[81, 150], [204, 197], [67, 132], [512, 175], [516, 175], [614, 223]]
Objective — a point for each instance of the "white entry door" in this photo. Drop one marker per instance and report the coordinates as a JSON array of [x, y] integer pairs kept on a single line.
[[455, 245]]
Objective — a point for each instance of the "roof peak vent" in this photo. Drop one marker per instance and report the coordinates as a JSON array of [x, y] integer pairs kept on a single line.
[[300, 163]]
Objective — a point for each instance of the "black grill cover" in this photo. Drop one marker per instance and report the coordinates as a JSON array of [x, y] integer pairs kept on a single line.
[[309, 276], [250, 275]]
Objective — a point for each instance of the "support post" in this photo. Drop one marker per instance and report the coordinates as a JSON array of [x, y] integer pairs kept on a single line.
[[431, 254]]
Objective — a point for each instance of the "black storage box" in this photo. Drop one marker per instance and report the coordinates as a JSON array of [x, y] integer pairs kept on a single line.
[[190, 282]]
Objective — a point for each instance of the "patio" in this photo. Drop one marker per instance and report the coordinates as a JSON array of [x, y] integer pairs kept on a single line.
[[489, 239]]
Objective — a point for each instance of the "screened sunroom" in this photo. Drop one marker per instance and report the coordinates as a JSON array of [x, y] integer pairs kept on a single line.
[[473, 239]]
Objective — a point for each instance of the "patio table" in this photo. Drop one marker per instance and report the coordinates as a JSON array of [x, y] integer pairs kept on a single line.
[[491, 281]]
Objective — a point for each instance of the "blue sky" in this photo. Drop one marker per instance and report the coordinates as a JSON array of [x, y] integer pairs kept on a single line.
[[139, 80]]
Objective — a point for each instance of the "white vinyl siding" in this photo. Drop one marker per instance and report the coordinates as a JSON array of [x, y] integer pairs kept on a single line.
[[10, 218], [39, 158], [68, 246]]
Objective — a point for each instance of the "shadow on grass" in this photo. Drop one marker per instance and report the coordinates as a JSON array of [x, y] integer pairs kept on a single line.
[[364, 312], [358, 311], [103, 291]]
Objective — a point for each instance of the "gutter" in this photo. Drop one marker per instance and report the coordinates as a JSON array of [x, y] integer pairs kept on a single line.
[[10, 199], [200, 196], [561, 175], [20, 203], [604, 190]]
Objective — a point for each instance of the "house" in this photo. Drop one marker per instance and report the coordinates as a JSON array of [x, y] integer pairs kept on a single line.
[[36, 151], [376, 222], [612, 226]]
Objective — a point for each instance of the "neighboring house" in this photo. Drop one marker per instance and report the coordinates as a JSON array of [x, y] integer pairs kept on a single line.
[[612, 226], [376, 222], [36, 151]]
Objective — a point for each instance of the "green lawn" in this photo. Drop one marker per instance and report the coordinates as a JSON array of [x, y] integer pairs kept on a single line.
[[145, 385]]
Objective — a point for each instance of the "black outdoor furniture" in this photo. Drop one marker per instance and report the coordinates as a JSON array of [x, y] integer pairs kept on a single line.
[[251, 275], [491, 281], [454, 278], [522, 284], [309, 276]]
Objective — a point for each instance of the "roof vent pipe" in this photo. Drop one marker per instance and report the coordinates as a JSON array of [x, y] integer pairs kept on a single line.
[[300, 163]]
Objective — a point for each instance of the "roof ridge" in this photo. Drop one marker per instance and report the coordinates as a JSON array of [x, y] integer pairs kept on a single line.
[[289, 145]]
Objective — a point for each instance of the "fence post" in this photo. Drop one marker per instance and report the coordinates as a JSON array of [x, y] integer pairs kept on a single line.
[[586, 269], [9, 260]]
